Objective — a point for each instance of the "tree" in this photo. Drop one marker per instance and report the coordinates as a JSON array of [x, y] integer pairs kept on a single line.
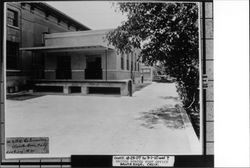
[[165, 33]]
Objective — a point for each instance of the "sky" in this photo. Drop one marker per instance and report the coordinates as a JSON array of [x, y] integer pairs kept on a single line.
[[95, 14]]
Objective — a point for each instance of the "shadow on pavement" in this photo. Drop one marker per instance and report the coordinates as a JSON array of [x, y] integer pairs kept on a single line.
[[169, 97], [140, 86], [21, 97], [168, 116]]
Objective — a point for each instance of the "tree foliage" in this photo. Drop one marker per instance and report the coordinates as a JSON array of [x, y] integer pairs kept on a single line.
[[165, 33]]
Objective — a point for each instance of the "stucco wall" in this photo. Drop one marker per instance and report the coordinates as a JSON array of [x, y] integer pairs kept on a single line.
[[83, 38], [111, 60]]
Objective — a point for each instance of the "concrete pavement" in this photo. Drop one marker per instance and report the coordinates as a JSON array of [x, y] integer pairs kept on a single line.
[[150, 122]]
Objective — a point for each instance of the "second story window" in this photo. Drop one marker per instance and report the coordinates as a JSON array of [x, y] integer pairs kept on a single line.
[[32, 9], [58, 21], [12, 18]]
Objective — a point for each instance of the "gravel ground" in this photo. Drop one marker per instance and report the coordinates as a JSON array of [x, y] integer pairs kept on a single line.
[[150, 122]]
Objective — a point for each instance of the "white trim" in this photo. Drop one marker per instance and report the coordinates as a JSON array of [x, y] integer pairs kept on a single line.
[[13, 70], [78, 70], [80, 47], [78, 33], [14, 27]]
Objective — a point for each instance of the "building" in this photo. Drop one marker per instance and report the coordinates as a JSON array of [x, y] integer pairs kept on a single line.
[[147, 73], [27, 23], [83, 62], [46, 46]]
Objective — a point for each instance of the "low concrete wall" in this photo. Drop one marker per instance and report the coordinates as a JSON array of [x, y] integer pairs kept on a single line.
[[123, 85]]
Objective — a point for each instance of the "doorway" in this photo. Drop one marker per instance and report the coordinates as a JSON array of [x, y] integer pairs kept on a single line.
[[63, 70], [93, 67]]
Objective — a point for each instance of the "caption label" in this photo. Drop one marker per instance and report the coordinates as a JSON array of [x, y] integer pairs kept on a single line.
[[143, 161], [27, 145]]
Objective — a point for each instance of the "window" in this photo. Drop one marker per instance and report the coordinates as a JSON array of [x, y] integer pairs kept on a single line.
[[127, 63], [12, 18], [122, 61], [132, 64], [47, 16], [12, 55], [58, 21], [63, 70]]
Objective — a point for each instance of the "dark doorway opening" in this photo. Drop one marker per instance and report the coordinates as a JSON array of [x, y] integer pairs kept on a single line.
[[63, 70], [38, 64], [104, 90], [93, 67]]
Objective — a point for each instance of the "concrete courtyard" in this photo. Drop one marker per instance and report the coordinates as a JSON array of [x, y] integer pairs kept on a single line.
[[150, 122]]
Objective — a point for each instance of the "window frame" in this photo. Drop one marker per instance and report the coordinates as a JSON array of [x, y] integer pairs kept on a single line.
[[14, 19]]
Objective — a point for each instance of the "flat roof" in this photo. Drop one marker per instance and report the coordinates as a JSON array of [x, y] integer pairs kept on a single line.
[[63, 48], [78, 33]]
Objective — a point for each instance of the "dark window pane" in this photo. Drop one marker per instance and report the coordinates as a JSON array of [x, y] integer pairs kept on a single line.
[[63, 67], [12, 55], [127, 63], [12, 18], [122, 62]]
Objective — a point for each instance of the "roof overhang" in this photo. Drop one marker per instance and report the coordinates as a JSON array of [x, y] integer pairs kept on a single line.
[[67, 48]]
